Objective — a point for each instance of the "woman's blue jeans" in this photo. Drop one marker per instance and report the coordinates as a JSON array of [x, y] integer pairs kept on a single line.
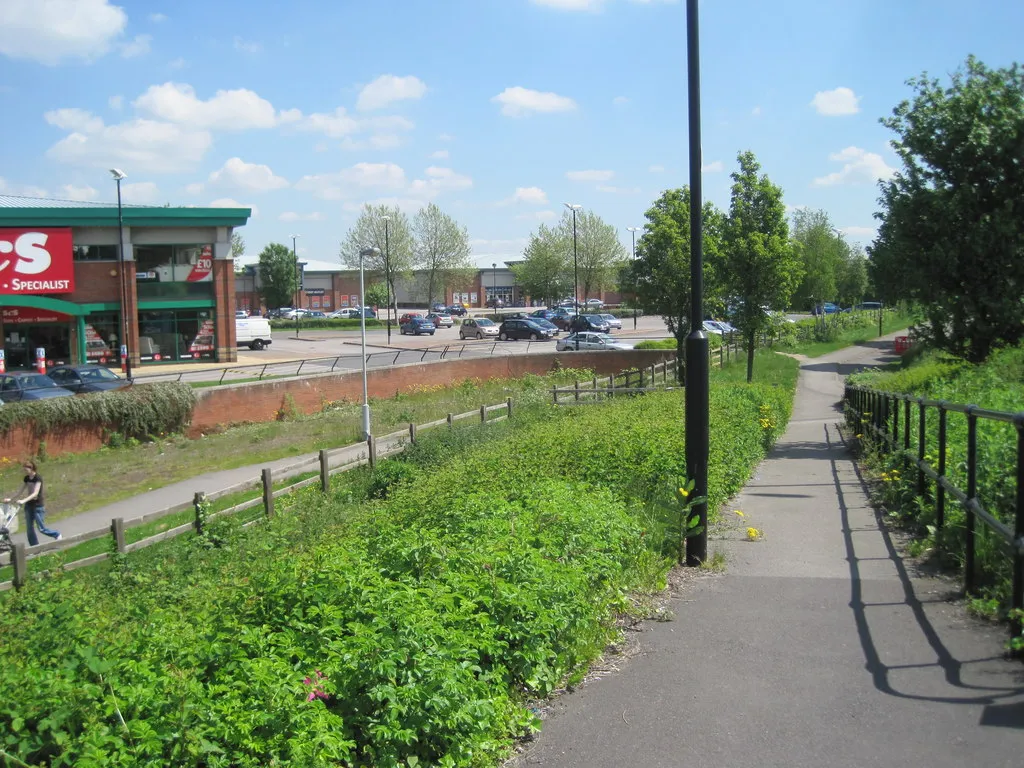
[[34, 517]]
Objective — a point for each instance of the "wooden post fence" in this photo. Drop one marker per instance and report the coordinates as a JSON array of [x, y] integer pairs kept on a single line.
[[117, 528], [325, 472], [20, 565], [268, 492]]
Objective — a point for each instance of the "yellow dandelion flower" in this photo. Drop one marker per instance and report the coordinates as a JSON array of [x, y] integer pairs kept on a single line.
[[739, 512], [683, 492], [753, 534]]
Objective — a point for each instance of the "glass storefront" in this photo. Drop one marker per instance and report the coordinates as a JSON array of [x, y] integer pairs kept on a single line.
[[174, 271], [102, 338], [182, 334]]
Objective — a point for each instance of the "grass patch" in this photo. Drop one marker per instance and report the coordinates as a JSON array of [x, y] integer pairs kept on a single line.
[[220, 383], [862, 327]]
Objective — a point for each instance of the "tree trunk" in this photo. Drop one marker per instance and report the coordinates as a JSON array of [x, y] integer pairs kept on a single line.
[[750, 355], [681, 360]]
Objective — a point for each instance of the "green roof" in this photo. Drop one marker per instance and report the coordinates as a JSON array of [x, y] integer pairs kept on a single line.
[[18, 211]]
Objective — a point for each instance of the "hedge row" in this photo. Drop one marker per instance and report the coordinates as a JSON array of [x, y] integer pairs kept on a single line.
[[402, 621]]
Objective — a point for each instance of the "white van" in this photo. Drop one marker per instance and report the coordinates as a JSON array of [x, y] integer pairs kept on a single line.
[[253, 332]]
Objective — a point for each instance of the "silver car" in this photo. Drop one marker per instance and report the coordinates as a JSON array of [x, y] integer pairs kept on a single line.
[[590, 341], [477, 328], [613, 322]]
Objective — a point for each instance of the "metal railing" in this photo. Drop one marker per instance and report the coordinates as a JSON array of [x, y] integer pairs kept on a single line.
[[876, 414]]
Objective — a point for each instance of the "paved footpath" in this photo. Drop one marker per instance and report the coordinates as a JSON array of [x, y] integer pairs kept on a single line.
[[818, 647]]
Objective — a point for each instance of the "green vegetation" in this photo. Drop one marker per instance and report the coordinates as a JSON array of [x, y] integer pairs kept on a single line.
[[659, 344], [404, 630], [321, 323], [815, 337], [994, 385]]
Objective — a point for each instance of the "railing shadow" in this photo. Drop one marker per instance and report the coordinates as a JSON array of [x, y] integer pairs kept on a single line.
[[998, 710]]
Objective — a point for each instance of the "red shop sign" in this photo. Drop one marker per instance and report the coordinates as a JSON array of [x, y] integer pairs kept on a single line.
[[26, 315], [36, 261], [203, 267]]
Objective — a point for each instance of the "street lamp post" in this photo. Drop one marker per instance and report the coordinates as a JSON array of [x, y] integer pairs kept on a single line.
[[362, 331], [387, 275], [118, 175], [633, 231], [697, 359], [295, 256], [575, 267], [494, 289]]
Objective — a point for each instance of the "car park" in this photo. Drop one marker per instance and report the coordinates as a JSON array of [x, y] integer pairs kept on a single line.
[[555, 330], [441, 319], [477, 328], [592, 342], [456, 310], [614, 323], [82, 379], [589, 323], [417, 325], [27, 386], [523, 329], [546, 314], [562, 317]]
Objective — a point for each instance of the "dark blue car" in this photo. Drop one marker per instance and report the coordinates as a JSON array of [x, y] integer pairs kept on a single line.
[[417, 326], [26, 386]]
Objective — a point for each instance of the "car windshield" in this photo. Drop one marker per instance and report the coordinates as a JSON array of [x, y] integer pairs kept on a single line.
[[36, 381], [594, 318], [484, 322], [97, 374], [606, 338]]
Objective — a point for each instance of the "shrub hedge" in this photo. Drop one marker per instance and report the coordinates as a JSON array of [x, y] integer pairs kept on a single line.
[[404, 630], [327, 323]]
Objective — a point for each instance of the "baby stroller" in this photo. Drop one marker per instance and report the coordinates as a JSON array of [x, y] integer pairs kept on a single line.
[[8, 524]]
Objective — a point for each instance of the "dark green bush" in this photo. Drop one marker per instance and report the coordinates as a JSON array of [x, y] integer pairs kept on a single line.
[[327, 323], [656, 344], [138, 411]]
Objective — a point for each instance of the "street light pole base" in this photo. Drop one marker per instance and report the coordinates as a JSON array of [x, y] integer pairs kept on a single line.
[[366, 421]]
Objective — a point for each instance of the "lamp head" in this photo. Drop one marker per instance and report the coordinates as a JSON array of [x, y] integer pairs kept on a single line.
[[118, 174], [370, 252], [573, 206]]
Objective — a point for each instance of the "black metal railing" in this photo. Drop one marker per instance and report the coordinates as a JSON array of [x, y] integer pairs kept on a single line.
[[876, 415]]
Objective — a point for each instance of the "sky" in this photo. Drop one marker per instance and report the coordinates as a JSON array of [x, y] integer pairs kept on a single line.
[[498, 111]]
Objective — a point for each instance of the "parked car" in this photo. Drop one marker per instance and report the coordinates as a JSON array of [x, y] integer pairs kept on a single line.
[[555, 330], [593, 304], [291, 314], [253, 332], [562, 317], [346, 313], [26, 386], [828, 308], [417, 325], [82, 379], [869, 306], [438, 307], [590, 341], [545, 314], [277, 314], [496, 302], [710, 326], [589, 323], [457, 310], [613, 322], [314, 314], [405, 318], [524, 329], [241, 314], [477, 328], [441, 319], [568, 302]]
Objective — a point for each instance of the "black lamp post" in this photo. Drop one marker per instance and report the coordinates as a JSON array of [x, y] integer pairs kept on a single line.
[[575, 268], [118, 175], [697, 361], [633, 231], [387, 274], [298, 292]]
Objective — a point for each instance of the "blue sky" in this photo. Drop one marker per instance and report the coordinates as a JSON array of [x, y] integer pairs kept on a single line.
[[498, 111]]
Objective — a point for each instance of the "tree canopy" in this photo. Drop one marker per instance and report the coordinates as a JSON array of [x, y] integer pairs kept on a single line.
[[387, 229], [951, 237], [278, 279], [442, 250], [598, 250], [546, 270]]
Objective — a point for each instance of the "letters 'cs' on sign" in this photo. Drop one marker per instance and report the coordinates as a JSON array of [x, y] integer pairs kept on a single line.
[[36, 261]]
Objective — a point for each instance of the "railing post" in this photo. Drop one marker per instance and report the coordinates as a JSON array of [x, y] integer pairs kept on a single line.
[[577, 390], [508, 407], [325, 472], [554, 393], [595, 384], [268, 492], [920, 446], [906, 424], [940, 491], [412, 433], [972, 493], [20, 564], [371, 447], [895, 423], [1017, 598], [451, 420], [117, 529], [483, 414], [197, 505]]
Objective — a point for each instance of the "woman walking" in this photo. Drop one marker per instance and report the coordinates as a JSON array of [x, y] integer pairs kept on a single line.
[[31, 494]]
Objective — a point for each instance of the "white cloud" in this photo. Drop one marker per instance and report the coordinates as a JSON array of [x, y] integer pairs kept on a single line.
[[116, 102], [441, 179], [657, 169], [71, 192], [293, 216], [756, 111], [520, 102], [590, 175], [195, 189], [441, 154], [445, 137], [620, 101], [571, 5], [841, 101], [238, 174], [157, 18], [859, 167], [618, 190], [235, 110], [50, 30], [178, 63], [247, 46], [379, 141], [530, 195], [715, 166], [21, 190], [537, 216], [387, 89], [339, 124], [353, 183], [138, 145], [140, 193], [229, 202], [137, 47]]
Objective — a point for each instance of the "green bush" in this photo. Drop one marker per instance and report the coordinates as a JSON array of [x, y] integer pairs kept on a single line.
[[135, 412], [403, 630], [326, 323], [656, 344]]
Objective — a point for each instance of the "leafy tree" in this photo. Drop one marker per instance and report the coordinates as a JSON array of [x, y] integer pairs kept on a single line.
[[442, 249], [393, 238], [278, 281], [822, 253], [599, 252], [237, 246], [376, 295], [853, 277], [761, 268], [546, 270], [660, 275], [952, 232]]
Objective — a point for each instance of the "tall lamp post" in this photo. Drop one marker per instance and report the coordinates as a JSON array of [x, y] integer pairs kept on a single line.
[[387, 274], [373, 252], [494, 289], [118, 175], [295, 256], [697, 358], [575, 267], [633, 231]]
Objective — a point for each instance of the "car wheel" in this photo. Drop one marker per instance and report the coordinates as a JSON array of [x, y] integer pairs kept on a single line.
[[503, 336], [479, 335], [533, 337], [256, 344]]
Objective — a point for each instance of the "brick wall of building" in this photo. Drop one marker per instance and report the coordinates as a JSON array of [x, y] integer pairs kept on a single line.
[[96, 281]]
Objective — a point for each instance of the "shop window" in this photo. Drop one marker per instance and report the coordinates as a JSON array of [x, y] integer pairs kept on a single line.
[[102, 338], [96, 253], [176, 335], [174, 271]]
